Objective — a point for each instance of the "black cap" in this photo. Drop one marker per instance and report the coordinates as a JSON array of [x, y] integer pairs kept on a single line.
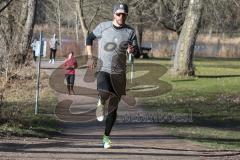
[[120, 8]]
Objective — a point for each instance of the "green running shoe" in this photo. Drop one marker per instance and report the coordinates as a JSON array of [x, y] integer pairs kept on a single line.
[[106, 142]]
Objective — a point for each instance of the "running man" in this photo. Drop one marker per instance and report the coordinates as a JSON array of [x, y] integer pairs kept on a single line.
[[115, 39]]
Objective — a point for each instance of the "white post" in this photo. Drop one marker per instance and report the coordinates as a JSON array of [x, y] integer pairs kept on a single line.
[[38, 74], [131, 61], [132, 70]]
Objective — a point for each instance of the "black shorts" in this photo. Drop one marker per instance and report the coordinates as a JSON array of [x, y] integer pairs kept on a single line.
[[114, 83], [70, 78]]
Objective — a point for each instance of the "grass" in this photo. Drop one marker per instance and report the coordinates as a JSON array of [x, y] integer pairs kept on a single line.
[[217, 138], [17, 112], [212, 96], [31, 126]]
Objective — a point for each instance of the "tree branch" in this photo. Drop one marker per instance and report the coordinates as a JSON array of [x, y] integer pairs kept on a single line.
[[91, 21], [4, 7]]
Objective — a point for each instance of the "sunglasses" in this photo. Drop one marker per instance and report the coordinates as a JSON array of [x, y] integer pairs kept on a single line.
[[123, 14]]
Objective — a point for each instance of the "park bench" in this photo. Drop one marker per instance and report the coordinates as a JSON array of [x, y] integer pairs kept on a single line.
[[144, 52]]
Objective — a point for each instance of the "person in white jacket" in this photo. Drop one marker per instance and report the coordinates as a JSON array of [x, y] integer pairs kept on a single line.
[[34, 45], [53, 48]]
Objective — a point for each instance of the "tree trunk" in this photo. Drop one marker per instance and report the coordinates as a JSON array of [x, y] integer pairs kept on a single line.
[[139, 33], [183, 64], [81, 18], [139, 29], [76, 27], [59, 26], [26, 32]]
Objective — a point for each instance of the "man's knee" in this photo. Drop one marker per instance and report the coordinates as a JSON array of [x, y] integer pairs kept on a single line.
[[112, 113], [104, 95], [113, 104], [114, 100]]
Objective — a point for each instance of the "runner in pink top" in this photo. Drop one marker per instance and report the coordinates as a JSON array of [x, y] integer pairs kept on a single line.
[[70, 64]]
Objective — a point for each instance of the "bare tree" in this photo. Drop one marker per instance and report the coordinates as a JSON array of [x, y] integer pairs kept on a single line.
[[27, 30], [16, 32], [15, 35], [185, 47], [77, 25], [59, 24], [84, 27], [84, 24], [174, 13]]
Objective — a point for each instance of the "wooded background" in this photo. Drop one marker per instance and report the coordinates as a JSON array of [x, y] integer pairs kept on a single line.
[[20, 20]]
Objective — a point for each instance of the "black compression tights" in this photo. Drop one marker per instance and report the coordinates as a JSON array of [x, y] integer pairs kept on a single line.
[[110, 120], [112, 110]]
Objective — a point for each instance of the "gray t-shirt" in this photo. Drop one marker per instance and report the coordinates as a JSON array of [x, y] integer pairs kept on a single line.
[[112, 46]]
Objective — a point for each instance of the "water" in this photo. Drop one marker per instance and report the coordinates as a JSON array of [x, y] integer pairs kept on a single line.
[[201, 49], [163, 49]]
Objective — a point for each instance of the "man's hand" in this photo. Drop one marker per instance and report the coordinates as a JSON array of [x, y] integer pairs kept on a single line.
[[130, 48], [92, 62]]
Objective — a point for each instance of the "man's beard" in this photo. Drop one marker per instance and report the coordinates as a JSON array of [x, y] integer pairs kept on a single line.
[[120, 23]]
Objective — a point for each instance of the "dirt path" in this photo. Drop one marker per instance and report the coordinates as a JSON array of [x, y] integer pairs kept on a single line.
[[131, 139]]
